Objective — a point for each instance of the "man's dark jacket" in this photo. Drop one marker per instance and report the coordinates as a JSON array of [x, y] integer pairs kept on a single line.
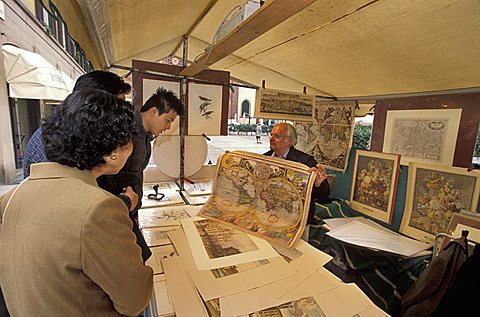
[[319, 194], [132, 175]]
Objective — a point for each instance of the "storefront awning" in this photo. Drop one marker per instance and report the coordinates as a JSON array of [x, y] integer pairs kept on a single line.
[[30, 76]]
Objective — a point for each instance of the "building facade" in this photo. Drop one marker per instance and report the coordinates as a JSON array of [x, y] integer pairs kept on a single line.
[[55, 30]]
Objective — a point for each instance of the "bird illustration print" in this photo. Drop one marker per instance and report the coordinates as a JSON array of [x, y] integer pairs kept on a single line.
[[203, 107]]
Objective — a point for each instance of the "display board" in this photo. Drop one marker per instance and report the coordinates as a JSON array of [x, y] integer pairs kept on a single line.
[[211, 84]]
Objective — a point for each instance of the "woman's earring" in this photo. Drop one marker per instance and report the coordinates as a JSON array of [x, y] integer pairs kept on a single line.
[[113, 156]]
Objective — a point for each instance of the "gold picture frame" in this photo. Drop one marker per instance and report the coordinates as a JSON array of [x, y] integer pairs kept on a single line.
[[434, 194], [374, 183]]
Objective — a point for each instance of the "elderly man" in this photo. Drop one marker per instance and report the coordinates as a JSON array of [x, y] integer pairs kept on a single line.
[[283, 139]]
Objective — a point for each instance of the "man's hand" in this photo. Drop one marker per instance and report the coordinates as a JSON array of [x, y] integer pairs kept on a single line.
[[132, 195], [321, 174]]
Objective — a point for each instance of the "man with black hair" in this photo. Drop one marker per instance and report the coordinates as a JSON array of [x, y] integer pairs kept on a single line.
[[155, 117]]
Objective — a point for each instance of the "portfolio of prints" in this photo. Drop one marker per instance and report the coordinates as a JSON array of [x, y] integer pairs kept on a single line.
[[422, 135], [329, 136], [284, 105], [261, 195], [434, 194], [374, 184]]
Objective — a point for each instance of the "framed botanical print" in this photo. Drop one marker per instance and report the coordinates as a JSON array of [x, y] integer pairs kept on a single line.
[[434, 194], [374, 184]]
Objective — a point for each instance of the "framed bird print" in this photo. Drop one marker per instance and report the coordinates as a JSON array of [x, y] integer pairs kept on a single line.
[[204, 109], [374, 184], [434, 194]]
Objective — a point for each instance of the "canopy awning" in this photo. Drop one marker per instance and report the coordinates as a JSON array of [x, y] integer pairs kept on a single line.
[[30, 76]]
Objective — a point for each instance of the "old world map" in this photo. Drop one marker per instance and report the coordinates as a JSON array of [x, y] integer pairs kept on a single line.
[[264, 196]]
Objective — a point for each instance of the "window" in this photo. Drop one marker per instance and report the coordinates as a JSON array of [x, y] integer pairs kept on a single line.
[[56, 27], [246, 108]]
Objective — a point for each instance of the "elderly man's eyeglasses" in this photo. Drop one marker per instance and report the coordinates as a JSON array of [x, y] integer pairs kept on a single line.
[[157, 195], [277, 136]]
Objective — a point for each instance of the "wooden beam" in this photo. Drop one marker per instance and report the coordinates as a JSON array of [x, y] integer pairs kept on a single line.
[[271, 14]]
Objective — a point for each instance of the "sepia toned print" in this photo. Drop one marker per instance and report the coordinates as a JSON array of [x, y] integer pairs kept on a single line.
[[284, 105], [303, 307], [220, 240], [329, 137], [235, 269], [374, 183], [435, 194], [261, 195]]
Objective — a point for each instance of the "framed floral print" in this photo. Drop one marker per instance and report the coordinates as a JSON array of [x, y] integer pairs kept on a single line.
[[434, 194], [374, 184]]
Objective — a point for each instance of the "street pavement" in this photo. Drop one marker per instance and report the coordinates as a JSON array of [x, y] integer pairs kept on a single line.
[[216, 147], [219, 144]]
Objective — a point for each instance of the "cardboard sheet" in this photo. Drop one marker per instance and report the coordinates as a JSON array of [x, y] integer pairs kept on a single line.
[[185, 298]]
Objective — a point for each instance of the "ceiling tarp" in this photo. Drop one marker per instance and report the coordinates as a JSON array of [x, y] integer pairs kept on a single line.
[[349, 48], [30, 76]]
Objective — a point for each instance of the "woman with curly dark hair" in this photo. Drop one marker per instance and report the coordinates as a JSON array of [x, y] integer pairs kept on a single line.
[[67, 246]]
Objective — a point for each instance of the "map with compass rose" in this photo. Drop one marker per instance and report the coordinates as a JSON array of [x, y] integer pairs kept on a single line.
[[261, 195]]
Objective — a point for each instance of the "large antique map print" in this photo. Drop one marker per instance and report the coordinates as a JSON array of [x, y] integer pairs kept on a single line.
[[422, 135], [261, 195], [329, 137]]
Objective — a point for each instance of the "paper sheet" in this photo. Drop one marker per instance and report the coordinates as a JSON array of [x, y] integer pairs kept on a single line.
[[308, 261], [162, 297], [257, 299], [195, 200], [185, 298], [158, 254], [158, 236], [172, 197], [215, 245], [358, 233], [164, 216], [198, 188], [242, 277]]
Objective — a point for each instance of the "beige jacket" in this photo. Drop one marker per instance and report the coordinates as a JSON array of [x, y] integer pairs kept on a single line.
[[67, 249]]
